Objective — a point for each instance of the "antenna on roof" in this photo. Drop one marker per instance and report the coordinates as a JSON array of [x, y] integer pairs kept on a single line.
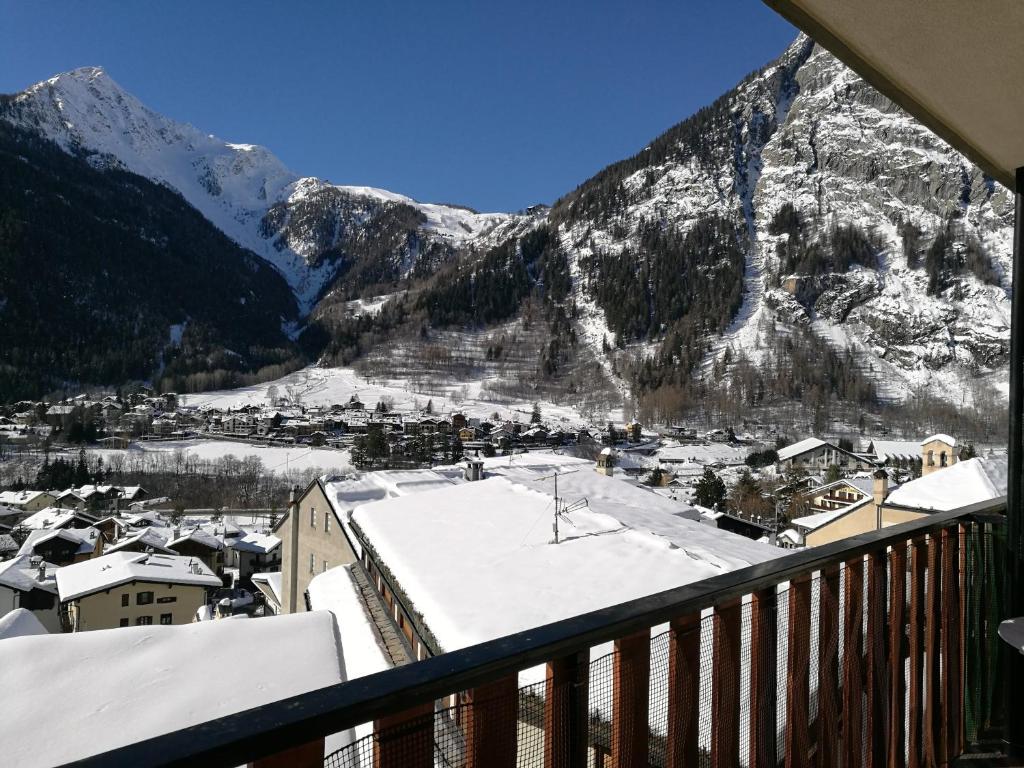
[[562, 509]]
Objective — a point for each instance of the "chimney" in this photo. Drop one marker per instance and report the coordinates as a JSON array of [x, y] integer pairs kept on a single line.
[[880, 489], [42, 572], [474, 470], [291, 598]]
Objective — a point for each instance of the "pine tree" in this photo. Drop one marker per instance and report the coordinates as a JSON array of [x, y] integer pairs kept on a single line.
[[710, 491]]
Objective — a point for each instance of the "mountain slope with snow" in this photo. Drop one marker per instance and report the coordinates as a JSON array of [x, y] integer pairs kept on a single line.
[[235, 186], [927, 311]]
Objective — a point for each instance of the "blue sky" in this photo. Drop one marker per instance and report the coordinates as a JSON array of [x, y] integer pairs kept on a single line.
[[493, 106]]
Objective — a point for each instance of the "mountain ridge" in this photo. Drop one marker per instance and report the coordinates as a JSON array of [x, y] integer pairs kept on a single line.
[[860, 232]]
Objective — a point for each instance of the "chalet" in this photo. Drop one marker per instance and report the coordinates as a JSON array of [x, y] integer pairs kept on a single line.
[[59, 416], [813, 454], [470, 433], [63, 546], [958, 485], [147, 540], [634, 432], [253, 553], [27, 501], [201, 545], [126, 588], [840, 494], [29, 583]]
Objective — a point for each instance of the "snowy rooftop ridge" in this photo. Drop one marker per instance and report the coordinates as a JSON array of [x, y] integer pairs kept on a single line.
[[85, 578], [809, 444], [149, 681], [963, 483]]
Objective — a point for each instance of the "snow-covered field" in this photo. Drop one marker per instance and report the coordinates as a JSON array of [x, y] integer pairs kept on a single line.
[[327, 386], [275, 458]]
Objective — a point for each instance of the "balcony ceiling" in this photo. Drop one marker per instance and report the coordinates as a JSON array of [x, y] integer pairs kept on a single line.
[[957, 66]]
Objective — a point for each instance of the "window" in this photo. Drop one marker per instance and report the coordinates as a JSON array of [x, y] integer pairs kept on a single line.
[[143, 621], [168, 599], [325, 566], [312, 563], [144, 598], [123, 622], [327, 523], [124, 600], [165, 618], [312, 517]]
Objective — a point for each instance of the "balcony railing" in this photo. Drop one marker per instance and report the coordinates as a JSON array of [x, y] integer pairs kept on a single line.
[[880, 649]]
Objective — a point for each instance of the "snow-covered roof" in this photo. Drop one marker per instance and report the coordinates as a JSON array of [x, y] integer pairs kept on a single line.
[[510, 577], [942, 438], [152, 680], [273, 580], [199, 536], [79, 579], [260, 543], [963, 483], [51, 517], [19, 497], [153, 537], [20, 574], [900, 450], [85, 539], [361, 647], [817, 520], [803, 446], [20, 622], [792, 536]]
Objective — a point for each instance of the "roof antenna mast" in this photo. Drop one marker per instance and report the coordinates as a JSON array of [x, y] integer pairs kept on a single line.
[[562, 509]]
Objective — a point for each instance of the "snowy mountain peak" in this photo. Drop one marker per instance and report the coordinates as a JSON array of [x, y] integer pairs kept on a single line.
[[243, 189]]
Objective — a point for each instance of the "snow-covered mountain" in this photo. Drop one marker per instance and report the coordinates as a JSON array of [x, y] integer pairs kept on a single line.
[[807, 133], [848, 218], [241, 188]]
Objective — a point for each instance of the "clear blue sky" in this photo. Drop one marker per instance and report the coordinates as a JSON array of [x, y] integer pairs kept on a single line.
[[496, 106]]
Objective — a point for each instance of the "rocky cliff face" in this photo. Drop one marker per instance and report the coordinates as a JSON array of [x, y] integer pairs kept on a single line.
[[926, 309]]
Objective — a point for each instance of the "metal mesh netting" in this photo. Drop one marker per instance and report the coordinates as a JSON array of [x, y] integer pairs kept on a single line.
[[831, 653]]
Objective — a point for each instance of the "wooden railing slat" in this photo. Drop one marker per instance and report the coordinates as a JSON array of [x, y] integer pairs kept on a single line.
[[565, 711], [827, 724], [725, 684], [876, 717], [797, 745], [930, 732], [897, 656], [763, 679], [853, 662], [951, 700], [309, 755], [630, 685], [683, 746], [404, 739], [492, 720], [915, 652]]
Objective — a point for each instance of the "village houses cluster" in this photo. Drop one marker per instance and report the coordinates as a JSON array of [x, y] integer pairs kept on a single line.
[[410, 562]]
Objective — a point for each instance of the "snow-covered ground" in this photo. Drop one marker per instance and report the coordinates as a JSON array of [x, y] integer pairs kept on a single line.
[[275, 458], [327, 386]]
